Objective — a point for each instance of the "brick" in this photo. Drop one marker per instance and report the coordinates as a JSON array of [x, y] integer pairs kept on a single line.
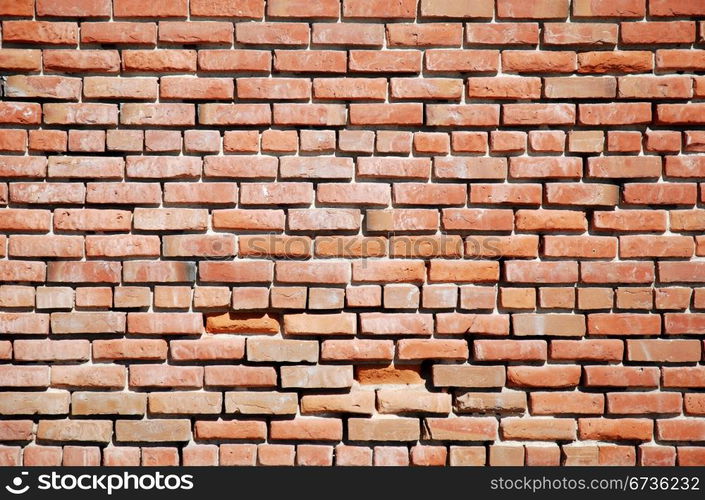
[[416, 350], [623, 114], [50, 350], [391, 456], [316, 376], [516, 61], [601, 8], [648, 87], [208, 349], [275, 454], [552, 403], [383, 429], [461, 428], [156, 430], [493, 350], [398, 61], [240, 376], [677, 59], [20, 60], [544, 376], [683, 323], [424, 35], [657, 455], [587, 350], [307, 428], [108, 403], [459, 323], [57, 33], [261, 403], [178, 403], [356, 402], [314, 61], [84, 61], [314, 455], [634, 298], [593, 34], [234, 60], [196, 33], [46, 140], [549, 455], [506, 455], [468, 376], [624, 429], [616, 455], [539, 10], [190, 88], [472, 115], [35, 403], [132, 33], [640, 403], [490, 403], [581, 455], [624, 376], [170, 8], [75, 431], [16, 296], [42, 456], [376, 9], [352, 455], [272, 33], [81, 8], [24, 8], [538, 428], [167, 114], [239, 9]]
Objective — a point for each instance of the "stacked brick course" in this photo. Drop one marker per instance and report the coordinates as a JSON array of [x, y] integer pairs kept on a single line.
[[352, 232]]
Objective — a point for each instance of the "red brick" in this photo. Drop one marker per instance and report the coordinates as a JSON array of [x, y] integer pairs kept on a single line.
[[641, 403], [70, 8], [551, 376], [83, 61], [520, 61], [587, 350], [657, 455], [167, 8], [624, 324], [592, 34], [552, 403], [128, 33], [234, 60], [505, 33], [509, 350], [371, 61], [541, 9], [621, 376], [41, 32], [379, 9], [602, 8], [538, 429], [353, 34], [24, 8], [667, 8], [20, 60]]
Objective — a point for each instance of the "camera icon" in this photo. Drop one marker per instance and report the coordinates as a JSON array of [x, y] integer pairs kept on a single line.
[[16, 488]]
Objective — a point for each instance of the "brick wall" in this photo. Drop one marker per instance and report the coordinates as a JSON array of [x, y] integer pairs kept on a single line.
[[346, 232]]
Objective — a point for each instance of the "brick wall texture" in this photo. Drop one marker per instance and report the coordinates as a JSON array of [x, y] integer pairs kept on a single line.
[[352, 232]]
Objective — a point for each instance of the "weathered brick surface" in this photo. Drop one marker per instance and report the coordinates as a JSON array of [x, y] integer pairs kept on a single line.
[[352, 232]]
